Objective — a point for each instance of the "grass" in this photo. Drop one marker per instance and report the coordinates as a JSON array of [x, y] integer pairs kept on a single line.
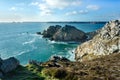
[[104, 68], [30, 72]]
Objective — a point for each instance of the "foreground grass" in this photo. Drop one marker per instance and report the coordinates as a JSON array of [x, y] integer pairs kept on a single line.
[[30, 72], [105, 68]]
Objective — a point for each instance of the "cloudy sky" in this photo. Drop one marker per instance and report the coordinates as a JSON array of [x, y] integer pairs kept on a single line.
[[59, 10]]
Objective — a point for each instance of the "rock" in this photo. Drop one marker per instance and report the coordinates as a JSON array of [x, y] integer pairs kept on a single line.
[[53, 64], [69, 33], [50, 31], [39, 33], [1, 75], [9, 65], [58, 58], [90, 35], [1, 61], [34, 62], [106, 42]]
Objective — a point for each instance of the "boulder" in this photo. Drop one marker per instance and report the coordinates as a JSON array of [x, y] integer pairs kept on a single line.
[[106, 42], [39, 33], [1, 75], [69, 33], [9, 65], [50, 31]]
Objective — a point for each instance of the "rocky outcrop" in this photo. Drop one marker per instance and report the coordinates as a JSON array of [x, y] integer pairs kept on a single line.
[[107, 41], [69, 33], [50, 31], [58, 58], [8, 65], [66, 33]]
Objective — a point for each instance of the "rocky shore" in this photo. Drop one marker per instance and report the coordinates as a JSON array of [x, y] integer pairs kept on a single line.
[[96, 59]]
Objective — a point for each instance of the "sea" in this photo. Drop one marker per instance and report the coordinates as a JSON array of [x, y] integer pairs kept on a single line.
[[19, 40]]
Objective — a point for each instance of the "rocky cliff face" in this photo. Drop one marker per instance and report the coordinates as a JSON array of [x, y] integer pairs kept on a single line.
[[50, 31], [107, 41], [69, 33], [66, 33]]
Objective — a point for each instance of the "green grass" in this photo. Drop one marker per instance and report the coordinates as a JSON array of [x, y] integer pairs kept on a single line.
[[30, 72]]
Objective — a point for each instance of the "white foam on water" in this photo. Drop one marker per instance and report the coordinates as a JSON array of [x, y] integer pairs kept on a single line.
[[70, 55], [29, 42], [54, 42], [20, 53], [35, 35]]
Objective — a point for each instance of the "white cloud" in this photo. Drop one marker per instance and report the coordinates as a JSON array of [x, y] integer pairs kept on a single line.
[[60, 4], [46, 13], [83, 11], [77, 12], [34, 3], [93, 7], [47, 6], [13, 9], [71, 13]]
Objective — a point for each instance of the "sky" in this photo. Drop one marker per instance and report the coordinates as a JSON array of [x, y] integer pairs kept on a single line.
[[59, 10]]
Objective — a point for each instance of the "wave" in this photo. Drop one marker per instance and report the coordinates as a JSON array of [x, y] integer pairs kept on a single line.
[[71, 55], [35, 35], [29, 42], [20, 53], [54, 42]]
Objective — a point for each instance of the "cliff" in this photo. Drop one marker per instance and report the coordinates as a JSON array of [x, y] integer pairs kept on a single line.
[[106, 42]]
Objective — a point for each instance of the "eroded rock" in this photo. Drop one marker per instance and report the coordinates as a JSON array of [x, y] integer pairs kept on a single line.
[[69, 33], [50, 31], [9, 65], [107, 41]]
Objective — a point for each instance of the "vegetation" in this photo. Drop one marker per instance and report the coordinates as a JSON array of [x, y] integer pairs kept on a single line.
[[104, 68], [30, 72]]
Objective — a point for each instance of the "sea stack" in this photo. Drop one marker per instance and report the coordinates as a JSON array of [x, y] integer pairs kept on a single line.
[[106, 42], [67, 33], [50, 31]]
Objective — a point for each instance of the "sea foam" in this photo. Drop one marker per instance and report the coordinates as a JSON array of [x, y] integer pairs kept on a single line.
[[71, 55]]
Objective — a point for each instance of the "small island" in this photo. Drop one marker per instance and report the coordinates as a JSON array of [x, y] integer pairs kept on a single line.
[[67, 34]]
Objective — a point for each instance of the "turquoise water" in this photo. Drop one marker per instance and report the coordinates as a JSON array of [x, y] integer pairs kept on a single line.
[[19, 40]]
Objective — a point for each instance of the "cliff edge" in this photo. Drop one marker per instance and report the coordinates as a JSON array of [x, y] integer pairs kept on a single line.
[[106, 42]]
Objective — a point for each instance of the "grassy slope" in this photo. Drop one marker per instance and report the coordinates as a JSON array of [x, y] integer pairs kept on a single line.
[[105, 68]]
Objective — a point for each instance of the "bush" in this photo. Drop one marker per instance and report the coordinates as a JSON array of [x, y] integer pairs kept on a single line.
[[59, 73], [55, 72]]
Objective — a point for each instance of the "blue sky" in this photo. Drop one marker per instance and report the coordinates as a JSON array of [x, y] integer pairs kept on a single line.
[[59, 10]]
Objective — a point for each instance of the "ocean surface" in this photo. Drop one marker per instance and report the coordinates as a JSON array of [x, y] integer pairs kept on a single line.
[[20, 40]]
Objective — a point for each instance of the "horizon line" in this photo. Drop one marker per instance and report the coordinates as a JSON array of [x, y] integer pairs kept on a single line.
[[47, 21]]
